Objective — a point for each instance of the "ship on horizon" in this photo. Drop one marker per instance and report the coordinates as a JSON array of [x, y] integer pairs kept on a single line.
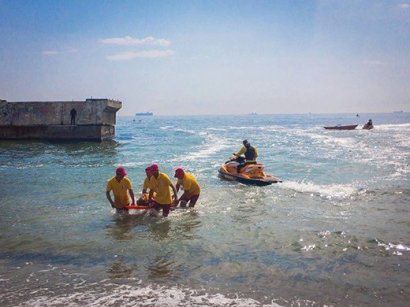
[[144, 114]]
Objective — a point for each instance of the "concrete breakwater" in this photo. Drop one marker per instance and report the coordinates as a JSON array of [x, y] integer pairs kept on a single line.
[[92, 119]]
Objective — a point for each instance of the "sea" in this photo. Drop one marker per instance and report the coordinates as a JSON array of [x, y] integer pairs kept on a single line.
[[334, 232]]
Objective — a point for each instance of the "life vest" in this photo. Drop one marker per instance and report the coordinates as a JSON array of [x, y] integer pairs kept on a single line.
[[250, 153]]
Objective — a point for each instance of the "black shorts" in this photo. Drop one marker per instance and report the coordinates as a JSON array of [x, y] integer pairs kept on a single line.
[[165, 208]]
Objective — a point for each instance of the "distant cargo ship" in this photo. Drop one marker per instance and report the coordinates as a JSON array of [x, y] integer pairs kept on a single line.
[[144, 114]]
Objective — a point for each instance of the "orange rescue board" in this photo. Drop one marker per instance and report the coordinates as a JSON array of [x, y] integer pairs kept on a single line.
[[136, 207]]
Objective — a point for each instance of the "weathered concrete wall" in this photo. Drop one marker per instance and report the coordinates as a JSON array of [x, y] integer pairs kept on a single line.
[[58, 132], [95, 119], [89, 112]]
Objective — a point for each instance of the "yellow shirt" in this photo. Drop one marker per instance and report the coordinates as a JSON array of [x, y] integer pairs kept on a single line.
[[120, 189], [148, 184], [243, 150], [190, 184], [162, 186]]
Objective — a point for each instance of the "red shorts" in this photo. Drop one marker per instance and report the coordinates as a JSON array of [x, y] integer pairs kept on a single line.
[[192, 199], [165, 208]]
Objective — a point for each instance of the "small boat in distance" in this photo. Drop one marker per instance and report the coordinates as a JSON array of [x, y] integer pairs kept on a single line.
[[338, 127], [144, 114]]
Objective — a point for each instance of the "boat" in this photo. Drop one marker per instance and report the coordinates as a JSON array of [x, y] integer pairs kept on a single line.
[[144, 114], [338, 127], [252, 174]]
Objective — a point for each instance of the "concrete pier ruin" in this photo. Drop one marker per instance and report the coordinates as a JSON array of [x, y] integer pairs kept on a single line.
[[92, 119]]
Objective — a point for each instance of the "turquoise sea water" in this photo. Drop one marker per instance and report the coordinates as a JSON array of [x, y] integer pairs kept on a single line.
[[336, 231]]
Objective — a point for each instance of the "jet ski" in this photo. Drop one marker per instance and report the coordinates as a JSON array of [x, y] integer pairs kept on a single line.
[[252, 174]]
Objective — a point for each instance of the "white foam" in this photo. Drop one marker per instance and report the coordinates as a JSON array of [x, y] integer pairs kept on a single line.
[[178, 129], [397, 249], [308, 248], [137, 212], [126, 295], [338, 191], [26, 166], [210, 146], [132, 164], [376, 148], [263, 128], [215, 129], [166, 127], [396, 127], [329, 139]]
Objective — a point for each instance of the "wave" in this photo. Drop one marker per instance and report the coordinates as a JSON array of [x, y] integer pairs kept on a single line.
[[398, 249], [132, 164], [375, 148], [211, 145], [332, 191], [172, 128], [113, 295], [271, 128], [215, 129], [392, 126], [328, 139]]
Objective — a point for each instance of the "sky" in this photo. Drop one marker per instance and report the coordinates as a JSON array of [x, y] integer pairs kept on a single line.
[[209, 57]]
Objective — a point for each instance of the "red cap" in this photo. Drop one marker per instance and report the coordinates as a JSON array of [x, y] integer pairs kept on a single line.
[[121, 171], [154, 167], [178, 172]]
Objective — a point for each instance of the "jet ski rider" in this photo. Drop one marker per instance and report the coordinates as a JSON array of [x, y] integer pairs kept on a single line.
[[250, 152]]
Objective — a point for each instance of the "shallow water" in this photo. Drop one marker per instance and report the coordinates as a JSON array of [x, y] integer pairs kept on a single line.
[[335, 232]]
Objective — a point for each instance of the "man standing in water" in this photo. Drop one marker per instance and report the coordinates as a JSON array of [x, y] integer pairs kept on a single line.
[[162, 185], [122, 189], [190, 186]]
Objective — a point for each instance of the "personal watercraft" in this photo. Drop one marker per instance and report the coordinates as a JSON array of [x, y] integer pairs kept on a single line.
[[249, 174]]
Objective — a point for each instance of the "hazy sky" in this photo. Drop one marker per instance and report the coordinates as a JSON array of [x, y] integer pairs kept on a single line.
[[209, 57]]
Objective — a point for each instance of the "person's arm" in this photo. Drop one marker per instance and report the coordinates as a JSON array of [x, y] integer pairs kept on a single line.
[[151, 193], [241, 151], [107, 193], [174, 189], [144, 193], [176, 200], [256, 153], [145, 186], [132, 196]]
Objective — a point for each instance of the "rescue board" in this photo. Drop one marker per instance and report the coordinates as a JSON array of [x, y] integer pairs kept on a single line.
[[136, 207]]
